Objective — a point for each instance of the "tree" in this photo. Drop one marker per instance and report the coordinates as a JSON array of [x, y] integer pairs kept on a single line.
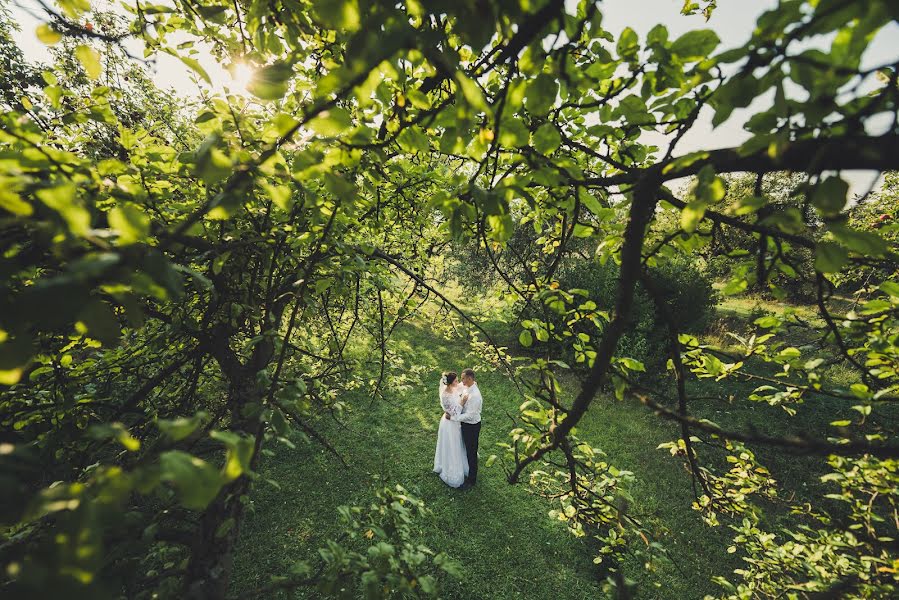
[[235, 267]]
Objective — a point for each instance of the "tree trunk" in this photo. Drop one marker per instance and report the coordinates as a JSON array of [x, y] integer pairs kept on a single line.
[[209, 568]]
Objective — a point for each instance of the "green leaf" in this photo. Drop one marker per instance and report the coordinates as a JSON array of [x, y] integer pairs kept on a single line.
[[178, 429], [525, 338], [240, 452], [547, 139], [829, 196], [196, 481], [48, 35], [735, 286], [196, 67], [592, 203], [582, 231], [709, 187], [15, 354], [89, 59], [418, 99], [342, 15], [632, 364], [501, 227], [863, 242], [628, 44], [213, 165], [74, 8], [540, 94], [331, 122], [62, 199], [204, 116], [11, 202], [750, 204], [695, 45], [226, 526], [890, 287], [271, 82], [131, 222], [340, 187], [284, 124], [116, 431], [657, 35], [428, 585], [513, 134], [100, 322], [412, 140], [472, 93], [788, 220], [691, 216], [281, 195], [830, 257], [813, 364]]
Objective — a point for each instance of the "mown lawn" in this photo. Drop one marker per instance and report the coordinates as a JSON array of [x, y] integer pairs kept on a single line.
[[508, 545], [501, 534]]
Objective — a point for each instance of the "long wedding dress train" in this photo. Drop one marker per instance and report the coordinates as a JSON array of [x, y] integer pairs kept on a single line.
[[450, 461]]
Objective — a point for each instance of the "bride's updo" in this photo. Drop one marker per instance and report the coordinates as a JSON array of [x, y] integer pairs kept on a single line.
[[449, 377]]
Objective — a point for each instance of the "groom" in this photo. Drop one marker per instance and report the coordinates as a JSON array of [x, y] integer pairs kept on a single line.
[[470, 418]]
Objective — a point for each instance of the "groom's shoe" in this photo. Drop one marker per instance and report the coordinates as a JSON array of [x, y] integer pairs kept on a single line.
[[467, 485]]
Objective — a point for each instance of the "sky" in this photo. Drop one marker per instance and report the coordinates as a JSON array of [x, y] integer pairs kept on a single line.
[[733, 21]]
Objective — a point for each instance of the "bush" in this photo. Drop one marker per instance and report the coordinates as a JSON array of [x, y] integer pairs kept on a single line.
[[682, 282], [687, 288]]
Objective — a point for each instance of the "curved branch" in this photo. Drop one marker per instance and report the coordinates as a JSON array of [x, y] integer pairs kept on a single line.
[[800, 445], [880, 153], [641, 211]]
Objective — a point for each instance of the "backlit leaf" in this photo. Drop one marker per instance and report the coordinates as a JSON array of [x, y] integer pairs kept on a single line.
[[131, 222], [830, 257], [48, 35], [62, 199], [697, 44], [829, 196], [271, 82], [196, 481], [89, 59]]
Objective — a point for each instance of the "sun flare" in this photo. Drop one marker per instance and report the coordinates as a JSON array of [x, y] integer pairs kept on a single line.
[[241, 76]]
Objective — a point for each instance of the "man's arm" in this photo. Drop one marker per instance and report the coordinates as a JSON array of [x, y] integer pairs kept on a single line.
[[472, 410]]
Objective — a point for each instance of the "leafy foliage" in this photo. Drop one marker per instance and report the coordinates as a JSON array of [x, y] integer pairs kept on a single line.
[[180, 283], [393, 564]]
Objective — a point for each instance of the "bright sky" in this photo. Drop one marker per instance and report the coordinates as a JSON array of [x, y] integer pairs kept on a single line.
[[733, 21]]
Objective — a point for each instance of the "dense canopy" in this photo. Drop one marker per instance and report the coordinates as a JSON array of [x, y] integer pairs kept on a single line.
[[186, 284]]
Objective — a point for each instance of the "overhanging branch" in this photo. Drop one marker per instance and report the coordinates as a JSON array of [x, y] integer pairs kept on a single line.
[[880, 153]]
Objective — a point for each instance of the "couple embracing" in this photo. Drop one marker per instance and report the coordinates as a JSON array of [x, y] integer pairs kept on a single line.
[[456, 457]]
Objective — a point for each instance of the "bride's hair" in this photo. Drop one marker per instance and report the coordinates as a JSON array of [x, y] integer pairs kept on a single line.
[[449, 377]]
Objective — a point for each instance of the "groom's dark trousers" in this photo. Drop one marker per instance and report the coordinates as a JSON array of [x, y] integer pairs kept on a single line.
[[470, 434]]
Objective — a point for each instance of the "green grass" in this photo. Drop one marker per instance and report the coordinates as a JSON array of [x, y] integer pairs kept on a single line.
[[629, 433], [508, 545], [501, 534], [748, 306]]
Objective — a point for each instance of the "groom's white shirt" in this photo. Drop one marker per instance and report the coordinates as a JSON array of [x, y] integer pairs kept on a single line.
[[471, 412]]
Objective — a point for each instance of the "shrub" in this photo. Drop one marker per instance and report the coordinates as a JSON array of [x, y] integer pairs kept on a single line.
[[681, 281]]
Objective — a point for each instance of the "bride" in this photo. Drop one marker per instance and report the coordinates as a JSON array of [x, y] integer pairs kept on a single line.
[[449, 458]]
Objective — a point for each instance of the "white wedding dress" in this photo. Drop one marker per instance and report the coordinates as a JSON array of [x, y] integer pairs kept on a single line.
[[450, 461]]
